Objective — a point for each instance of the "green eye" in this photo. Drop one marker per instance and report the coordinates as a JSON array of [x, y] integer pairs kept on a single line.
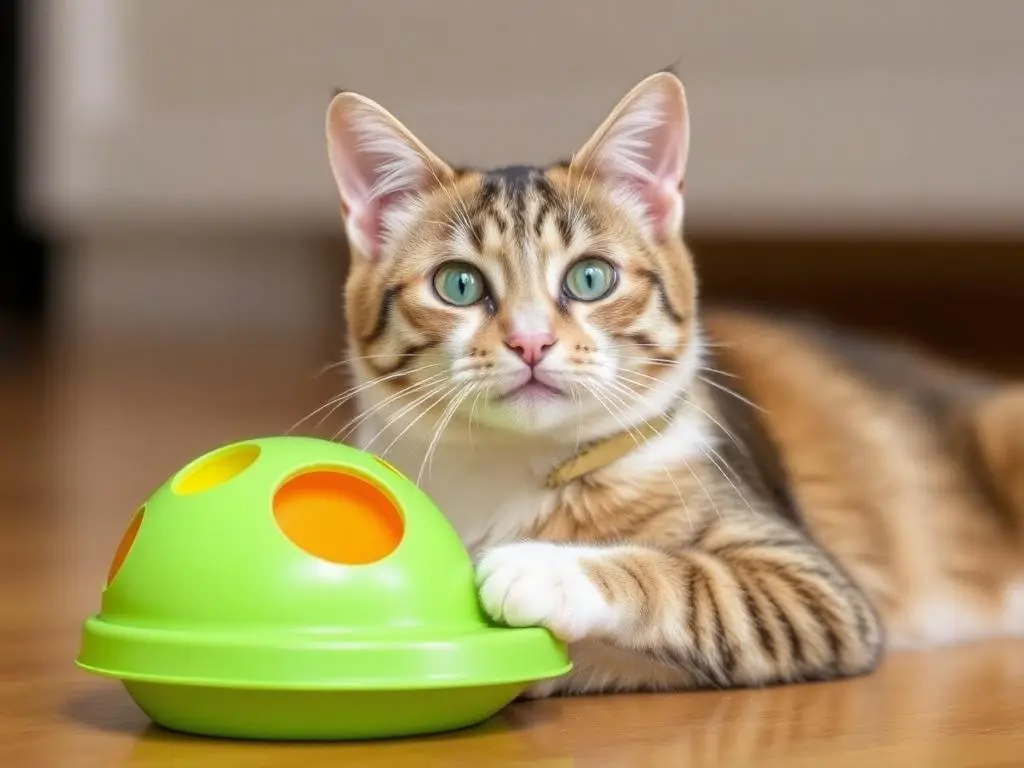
[[459, 284], [589, 279]]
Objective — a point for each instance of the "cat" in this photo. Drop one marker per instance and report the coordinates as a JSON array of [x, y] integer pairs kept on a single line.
[[687, 497]]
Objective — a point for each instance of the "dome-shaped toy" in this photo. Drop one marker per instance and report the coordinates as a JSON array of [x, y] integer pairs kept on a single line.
[[295, 588]]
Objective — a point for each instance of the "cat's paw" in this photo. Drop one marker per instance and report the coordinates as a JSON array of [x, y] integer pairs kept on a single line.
[[536, 584]]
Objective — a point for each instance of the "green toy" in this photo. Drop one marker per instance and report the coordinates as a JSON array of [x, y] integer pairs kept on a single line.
[[295, 588]]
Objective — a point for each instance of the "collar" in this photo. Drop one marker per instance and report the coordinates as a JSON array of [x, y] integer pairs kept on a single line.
[[601, 453]]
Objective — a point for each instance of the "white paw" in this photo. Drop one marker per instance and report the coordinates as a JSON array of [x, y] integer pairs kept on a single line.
[[536, 584]]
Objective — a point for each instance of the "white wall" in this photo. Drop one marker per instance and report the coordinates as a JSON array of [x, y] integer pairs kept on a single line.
[[897, 115]]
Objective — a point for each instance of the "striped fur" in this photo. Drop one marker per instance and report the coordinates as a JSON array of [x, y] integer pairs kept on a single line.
[[817, 499]]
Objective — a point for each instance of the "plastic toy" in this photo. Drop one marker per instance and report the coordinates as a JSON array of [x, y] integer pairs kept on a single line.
[[295, 588]]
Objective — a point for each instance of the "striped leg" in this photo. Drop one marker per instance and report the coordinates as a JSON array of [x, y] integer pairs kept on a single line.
[[741, 605]]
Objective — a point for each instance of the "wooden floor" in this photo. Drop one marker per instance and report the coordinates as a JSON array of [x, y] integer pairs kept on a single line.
[[83, 440]]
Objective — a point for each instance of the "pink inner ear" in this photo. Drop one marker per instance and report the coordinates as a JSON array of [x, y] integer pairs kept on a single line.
[[370, 219], [649, 161], [660, 204], [367, 222], [659, 201]]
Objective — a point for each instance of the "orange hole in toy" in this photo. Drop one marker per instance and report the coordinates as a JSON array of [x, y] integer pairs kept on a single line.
[[125, 545], [338, 517]]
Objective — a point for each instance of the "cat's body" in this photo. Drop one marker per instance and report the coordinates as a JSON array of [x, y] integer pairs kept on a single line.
[[805, 500]]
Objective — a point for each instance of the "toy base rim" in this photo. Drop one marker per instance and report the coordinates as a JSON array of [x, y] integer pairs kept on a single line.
[[295, 662]]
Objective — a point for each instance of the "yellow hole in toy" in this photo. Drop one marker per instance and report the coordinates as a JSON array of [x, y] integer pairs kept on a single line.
[[338, 517], [216, 469], [125, 545]]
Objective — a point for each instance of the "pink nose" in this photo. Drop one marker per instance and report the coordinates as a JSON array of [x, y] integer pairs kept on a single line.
[[531, 347]]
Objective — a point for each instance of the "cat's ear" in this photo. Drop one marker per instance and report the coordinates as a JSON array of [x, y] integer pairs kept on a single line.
[[380, 168], [640, 153]]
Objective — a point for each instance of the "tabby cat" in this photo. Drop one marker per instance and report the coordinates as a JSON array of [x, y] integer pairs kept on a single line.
[[688, 498]]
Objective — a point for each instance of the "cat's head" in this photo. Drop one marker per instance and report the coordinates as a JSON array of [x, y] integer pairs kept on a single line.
[[536, 297]]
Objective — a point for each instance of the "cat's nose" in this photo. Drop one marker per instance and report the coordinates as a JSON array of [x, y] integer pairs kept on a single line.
[[531, 347]]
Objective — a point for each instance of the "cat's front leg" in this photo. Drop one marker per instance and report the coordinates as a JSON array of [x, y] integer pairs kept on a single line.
[[737, 607], [535, 583]]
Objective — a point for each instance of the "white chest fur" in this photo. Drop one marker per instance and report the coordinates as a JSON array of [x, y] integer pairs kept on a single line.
[[489, 492], [492, 487]]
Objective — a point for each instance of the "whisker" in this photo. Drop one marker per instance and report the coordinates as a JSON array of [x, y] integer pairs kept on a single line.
[[622, 373], [715, 457], [579, 416], [719, 344], [439, 399], [666, 361], [443, 389], [708, 448], [728, 432], [339, 363], [665, 469], [343, 397], [628, 345], [472, 410], [631, 344], [357, 390], [444, 421], [605, 397], [459, 400], [727, 374], [632, 431], [710, 453], [735, 394], [686, 464], [360, 418]]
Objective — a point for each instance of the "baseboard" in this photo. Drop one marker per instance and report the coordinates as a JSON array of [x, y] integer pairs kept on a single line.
[[154, 283]]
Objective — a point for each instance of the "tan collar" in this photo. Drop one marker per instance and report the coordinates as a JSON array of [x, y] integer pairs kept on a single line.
[[603, 452]]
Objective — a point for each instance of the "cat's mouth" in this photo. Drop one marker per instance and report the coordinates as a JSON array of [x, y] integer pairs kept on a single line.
[[531, 389]]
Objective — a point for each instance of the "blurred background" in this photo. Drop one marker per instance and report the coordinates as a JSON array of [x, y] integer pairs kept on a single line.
[[172, 280], [165, 175], [177, 254]]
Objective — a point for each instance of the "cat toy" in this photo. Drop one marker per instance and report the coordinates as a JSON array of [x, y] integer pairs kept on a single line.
[[296, 588]]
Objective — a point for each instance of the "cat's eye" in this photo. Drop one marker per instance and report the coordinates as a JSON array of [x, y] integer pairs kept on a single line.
[[459, 284], [589, 279]]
